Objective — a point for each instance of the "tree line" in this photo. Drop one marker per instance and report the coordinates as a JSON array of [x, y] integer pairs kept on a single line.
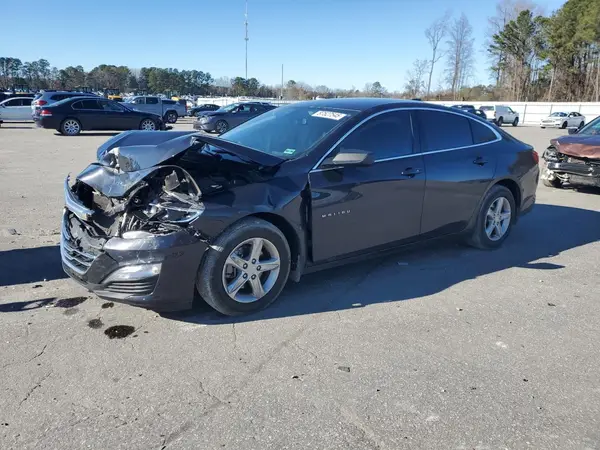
[[532, 57]]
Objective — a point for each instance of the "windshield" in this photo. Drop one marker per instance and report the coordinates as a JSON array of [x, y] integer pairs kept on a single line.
[[591, 128], [228, 107], [487, 108], [290, 131], [558, 114]]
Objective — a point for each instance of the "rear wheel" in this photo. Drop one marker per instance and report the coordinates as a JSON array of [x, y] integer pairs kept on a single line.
[[148, 125], [494, 220], [171, 117], [245, 269], [500, 121], [70, 127]]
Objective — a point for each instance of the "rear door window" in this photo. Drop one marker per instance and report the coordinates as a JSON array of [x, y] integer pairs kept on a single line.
[[441, 130], [151, 100], [387, 135], [90, 104]]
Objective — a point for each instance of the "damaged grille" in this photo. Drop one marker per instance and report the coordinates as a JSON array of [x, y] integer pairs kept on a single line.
[[134, 287], [76, 259]]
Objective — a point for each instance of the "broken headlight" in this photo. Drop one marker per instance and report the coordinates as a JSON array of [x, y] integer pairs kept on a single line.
[[550, 154]]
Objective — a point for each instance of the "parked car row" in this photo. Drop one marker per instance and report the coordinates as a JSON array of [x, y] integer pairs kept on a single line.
[[230, 116]]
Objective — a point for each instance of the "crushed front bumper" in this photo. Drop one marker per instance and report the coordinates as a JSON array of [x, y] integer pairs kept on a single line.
[[156, 272], [573, 172]]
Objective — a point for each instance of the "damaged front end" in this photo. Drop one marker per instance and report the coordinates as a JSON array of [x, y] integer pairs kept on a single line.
[[563, 165], [127, 231]]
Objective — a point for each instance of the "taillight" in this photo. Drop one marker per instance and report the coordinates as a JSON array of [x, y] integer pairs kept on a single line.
[[46, 113], [536, 157], [41, 102]]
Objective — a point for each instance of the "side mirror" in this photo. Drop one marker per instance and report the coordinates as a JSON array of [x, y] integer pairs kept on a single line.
[[353, 158], [573, 130]]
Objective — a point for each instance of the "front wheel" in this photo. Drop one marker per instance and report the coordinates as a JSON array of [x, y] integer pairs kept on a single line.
[[564, 125], [515, 122], [148, 125], [494, 220], [70, 127], [245, 269], [500, 121], [221, 126], [581, 124]]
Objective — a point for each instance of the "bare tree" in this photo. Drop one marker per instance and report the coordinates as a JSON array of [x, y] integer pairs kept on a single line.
[[460, 53], [506, 10], [434, 34], [416, 78]]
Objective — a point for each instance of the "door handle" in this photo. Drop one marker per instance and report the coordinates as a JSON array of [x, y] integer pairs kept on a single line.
[[411, 172], [480, 161]]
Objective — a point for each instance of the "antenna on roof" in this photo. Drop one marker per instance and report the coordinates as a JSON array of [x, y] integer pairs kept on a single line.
[[246, 38]]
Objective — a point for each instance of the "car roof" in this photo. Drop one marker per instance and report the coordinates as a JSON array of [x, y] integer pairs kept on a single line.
[[364, 104]]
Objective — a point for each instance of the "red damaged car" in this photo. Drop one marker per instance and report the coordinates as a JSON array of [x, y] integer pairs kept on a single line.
[[574, 159]]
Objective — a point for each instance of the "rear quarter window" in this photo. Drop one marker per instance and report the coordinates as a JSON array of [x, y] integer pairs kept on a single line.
[[481, 133], [169, 102]]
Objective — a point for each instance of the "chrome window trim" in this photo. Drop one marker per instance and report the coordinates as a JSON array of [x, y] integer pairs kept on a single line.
[[409, 108]]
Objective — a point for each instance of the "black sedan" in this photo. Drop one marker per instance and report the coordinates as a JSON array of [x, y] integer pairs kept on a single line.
[[73, 115], [230, 116], [306, 186], [199, 110]]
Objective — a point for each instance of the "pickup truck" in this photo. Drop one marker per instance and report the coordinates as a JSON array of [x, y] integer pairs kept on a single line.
[[169, 110]]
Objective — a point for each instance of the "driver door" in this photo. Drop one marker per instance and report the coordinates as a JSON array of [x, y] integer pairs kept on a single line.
[[357, 208], [239, 115], [117, 117]]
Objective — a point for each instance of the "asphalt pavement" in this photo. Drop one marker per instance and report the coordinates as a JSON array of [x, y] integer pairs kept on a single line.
[[441, 347]]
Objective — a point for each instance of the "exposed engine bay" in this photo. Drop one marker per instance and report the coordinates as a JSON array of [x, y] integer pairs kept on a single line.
[[155, 189]]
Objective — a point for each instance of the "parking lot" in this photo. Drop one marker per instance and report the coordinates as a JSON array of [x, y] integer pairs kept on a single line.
[[439, 347]]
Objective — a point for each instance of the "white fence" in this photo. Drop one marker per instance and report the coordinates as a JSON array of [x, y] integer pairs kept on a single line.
[[529, 112]]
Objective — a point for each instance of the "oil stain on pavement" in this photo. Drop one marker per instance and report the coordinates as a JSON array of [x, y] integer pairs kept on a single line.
[[119, 331]]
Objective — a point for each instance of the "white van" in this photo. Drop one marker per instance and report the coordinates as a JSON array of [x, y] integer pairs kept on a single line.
[[500, 114]]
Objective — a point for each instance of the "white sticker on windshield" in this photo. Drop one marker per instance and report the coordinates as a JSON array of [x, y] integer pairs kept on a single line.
[[329, 115], [289, 151]]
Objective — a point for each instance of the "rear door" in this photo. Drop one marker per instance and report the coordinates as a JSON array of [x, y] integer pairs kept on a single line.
[[460, 162], [91, 115], [154, 106], [358, 208], [9, 109]]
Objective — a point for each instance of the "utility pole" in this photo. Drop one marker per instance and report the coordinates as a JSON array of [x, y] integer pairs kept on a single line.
[[281, 96], [246, 38]]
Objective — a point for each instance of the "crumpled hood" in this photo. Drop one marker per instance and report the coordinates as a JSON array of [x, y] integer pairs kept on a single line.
[[579, 145], [127, 158]]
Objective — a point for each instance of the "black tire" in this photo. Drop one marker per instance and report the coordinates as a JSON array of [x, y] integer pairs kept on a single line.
[[221, 126], [210, 274], [564, 125], [515, 122], [144, 125], [70, 127], [581, 124], [556, 183], [171, 116], [478, 237], [500, 121]]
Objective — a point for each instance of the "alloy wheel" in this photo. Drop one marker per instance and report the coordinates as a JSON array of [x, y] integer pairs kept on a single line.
[[148, 125], [251, 270], [71, 127], [498, 218], [221, 126]]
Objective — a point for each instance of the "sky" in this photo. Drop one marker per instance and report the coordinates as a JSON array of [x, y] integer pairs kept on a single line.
[[337, 43]]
